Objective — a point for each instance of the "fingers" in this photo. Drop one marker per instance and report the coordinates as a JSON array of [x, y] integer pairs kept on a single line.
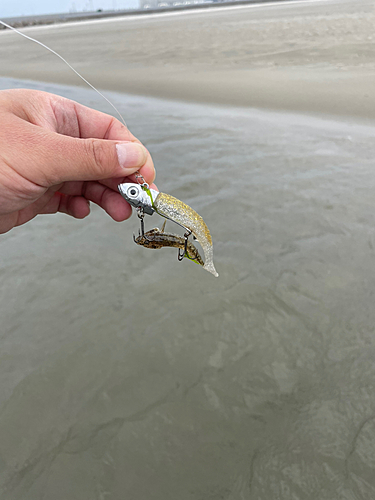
[[111, 201], [71, 159], [76, 120], [74, 200], [63, 116], [78, 206], [47, 158], [94, 124]]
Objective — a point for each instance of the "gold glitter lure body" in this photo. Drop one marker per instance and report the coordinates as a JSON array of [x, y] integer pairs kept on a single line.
[[148, 201]]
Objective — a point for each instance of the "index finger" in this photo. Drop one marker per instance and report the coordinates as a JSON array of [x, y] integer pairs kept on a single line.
[[89, 123]]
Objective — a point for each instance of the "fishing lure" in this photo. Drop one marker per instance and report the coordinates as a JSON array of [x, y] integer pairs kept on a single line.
[[148, 201], [157, 238]]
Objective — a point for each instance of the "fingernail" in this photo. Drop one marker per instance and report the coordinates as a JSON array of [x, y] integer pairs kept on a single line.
[[131, 154]]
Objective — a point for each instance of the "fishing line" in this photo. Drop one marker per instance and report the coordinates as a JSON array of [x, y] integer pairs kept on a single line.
[[69, 66]]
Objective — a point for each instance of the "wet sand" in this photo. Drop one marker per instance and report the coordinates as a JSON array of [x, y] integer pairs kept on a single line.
[[125, 374], [316, 57]]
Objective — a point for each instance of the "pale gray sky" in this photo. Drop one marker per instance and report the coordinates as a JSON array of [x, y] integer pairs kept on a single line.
[[9, 8]]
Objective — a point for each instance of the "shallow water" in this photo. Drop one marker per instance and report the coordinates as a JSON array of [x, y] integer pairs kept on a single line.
[[125, 374]]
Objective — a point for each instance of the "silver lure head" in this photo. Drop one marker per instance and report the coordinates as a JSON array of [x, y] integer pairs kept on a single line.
[[138, 197]]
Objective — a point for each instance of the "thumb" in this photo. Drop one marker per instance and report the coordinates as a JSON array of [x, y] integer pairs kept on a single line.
[[63, 158]]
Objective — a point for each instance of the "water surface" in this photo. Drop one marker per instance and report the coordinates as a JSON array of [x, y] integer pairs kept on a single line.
[[125, 374]]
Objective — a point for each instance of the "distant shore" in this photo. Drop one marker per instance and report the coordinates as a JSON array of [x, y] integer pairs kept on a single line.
[[309, 57], [46, 19]]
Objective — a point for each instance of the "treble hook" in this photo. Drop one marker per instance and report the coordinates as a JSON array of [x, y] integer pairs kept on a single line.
[[180, 255]]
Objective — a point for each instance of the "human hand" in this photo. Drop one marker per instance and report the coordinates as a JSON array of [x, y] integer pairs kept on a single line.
[[57, 155]]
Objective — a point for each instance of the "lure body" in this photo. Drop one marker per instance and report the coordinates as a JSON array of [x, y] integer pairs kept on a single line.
[[150, 200], [156, 238]]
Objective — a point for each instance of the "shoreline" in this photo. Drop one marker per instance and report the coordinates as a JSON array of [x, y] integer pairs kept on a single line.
[[298, 118], [279, 94], [65, 17]]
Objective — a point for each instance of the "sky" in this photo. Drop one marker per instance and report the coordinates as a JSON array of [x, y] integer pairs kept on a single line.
[[11, 8]]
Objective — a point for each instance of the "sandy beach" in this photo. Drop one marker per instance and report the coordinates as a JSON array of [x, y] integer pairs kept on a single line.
[[316, 57]]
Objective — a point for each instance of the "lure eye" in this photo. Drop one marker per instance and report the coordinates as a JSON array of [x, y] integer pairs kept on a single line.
[[133, 192]]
